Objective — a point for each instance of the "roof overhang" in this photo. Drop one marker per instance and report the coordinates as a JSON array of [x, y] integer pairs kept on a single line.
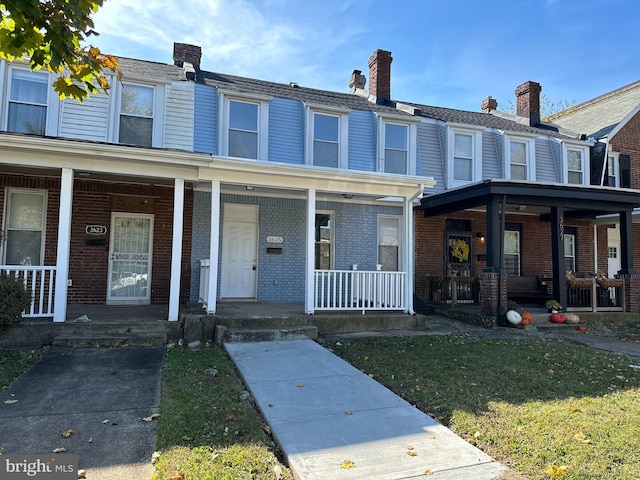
[[578, 201]]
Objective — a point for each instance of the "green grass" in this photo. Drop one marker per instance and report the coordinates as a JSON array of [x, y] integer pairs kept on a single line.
[[14, 362], [207, 428], [532, 404], [620, 325]]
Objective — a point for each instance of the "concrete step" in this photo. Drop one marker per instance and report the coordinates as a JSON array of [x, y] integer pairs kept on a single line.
[[95, 340], [236, 334]]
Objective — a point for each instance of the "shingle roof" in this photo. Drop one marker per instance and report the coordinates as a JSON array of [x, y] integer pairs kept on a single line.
[[145, 69], [598, 116]]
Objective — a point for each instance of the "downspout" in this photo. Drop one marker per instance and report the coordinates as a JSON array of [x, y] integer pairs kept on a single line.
[[410, 235]]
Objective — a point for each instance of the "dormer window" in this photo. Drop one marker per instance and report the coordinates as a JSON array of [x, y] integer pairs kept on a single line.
[[397, 141], [519, 158], [575, 165], [465, 156], [136, 115], [28, 95], [244, 125], [327, 136]]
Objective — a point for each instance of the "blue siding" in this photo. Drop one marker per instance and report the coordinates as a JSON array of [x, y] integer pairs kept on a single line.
[[362, 141], [206, 120], [431, 156], [546, 170], [491, 156], [286, 133], [281, 277]]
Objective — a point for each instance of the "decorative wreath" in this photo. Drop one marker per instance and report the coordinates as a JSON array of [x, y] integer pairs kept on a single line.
[[460, 250]]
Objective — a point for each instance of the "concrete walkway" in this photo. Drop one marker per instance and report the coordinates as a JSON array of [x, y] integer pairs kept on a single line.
[[323, 411], [102, 395]]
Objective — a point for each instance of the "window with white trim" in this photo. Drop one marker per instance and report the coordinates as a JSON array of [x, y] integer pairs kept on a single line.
[[326, 140], [28, 97], [576, 166], [512, 252], [244, 126], [136, 115], [24, 227], [396, 148], [465, 156], [613, 178], [569, 252], [389, 243], [324, 241]]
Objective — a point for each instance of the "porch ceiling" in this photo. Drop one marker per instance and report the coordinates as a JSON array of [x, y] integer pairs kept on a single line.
[[525, 197]]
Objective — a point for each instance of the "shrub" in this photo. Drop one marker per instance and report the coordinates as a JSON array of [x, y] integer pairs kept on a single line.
[[15, 299]]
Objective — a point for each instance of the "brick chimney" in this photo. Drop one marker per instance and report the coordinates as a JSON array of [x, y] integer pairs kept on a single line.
[[489, 104], [356, 81], [528, 102], [380, 75], [183, 52]]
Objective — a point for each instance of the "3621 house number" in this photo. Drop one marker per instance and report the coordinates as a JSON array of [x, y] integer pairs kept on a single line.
[[96, 229]]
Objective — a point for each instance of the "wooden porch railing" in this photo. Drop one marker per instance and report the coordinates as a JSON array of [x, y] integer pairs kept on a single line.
[[40, 281], [592, 294], [359, 290]]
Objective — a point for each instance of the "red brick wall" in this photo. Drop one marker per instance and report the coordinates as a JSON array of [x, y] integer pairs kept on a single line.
[[627, 141], [93, 203], [536, 244]]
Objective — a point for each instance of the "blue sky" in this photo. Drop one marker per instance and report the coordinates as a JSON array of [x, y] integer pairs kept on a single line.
[[450, 53]]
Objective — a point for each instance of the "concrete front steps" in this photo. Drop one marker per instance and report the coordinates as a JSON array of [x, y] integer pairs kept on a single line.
[[267, 334], [110, 339], [541, 321]]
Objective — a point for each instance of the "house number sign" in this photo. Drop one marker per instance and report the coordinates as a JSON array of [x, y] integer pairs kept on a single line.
[[274, 239], [96, 229]]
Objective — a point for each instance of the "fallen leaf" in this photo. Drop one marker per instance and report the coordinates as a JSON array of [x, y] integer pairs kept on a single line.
[[186, 439], [366, 358], [10, 402], [371, 375], [575, 409], [155, 457], [409, 447], [267, 429], [431, 436], [412, 453], [428, 472], [348, 412], [105, 422], [152, 417], [59, 450], [82, 473], [300, 384], [66, 433], [347, 464], [554, 471], [91, 440]]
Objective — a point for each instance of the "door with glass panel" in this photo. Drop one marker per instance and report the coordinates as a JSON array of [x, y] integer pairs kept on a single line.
[[130, 253]]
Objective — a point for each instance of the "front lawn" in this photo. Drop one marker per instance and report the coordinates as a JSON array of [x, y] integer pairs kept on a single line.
[[15, 362], [546, 408], [208, 427]]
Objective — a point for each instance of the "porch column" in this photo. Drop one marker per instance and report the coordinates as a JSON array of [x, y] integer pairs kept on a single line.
[[557, 255], [626, 244], [409, 254], [176, 249], [493, 235], [309, 287], [214, 247], [63, 247]]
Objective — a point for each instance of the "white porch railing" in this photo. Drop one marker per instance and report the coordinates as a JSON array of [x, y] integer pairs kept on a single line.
[[359, 290], [204, 282], [40, 281]]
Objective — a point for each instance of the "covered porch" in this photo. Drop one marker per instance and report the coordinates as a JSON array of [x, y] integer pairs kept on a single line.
[[315, 237], [546, 214]]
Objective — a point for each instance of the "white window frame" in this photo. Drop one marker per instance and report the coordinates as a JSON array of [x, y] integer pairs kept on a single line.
[[7, 209], [398, 219], [332, 237], [615, 164], [584, 151], [412, 139], [343, 132], [476, 160], [157, 136], [262, 101], [52, 104], [571, 254], [530, 152]]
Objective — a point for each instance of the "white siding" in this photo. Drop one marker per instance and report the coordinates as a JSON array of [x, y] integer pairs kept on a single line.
[[86, 121], [179, 117]]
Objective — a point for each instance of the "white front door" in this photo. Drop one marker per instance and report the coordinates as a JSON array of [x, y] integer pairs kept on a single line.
[[130, 258], [613, 251], [239, 252]]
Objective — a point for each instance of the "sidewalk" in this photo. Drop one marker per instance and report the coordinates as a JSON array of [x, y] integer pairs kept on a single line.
[[323, 412], [102, 395]]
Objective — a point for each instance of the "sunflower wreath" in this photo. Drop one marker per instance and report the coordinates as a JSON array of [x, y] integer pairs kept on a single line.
[[460, 250]]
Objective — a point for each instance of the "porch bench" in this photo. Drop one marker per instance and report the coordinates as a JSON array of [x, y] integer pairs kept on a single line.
[[526, 288]]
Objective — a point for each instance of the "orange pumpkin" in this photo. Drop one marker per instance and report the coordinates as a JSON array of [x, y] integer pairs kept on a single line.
[[527, 318], [582, 329]]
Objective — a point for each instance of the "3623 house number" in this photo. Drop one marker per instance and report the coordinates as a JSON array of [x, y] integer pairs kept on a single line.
[[96, 229]]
